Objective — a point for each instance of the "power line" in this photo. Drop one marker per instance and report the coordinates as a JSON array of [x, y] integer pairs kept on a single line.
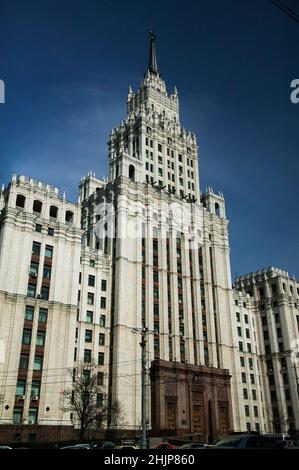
[[285, 9]]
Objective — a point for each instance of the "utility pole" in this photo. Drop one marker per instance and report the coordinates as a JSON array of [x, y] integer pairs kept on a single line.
[[144, 332]]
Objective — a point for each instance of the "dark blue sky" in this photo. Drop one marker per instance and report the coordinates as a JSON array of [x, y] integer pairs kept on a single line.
[[67, 66]]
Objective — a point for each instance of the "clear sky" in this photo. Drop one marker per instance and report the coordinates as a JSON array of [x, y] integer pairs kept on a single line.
[[67, 66]]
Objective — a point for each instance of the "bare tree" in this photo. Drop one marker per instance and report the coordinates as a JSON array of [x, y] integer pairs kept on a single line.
[[84, 399]]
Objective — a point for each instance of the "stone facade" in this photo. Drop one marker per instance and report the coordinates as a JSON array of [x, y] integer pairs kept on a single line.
[[144, 248]]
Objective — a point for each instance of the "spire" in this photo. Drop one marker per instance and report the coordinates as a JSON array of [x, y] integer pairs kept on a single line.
[[152, 63]]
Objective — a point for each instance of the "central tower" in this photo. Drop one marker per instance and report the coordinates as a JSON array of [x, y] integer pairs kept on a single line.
[[150, 145]]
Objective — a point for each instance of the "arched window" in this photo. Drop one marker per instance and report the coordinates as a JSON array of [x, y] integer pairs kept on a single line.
[[217, 209], [132, 172], [37, 206], [53, 212], [69, 217], [20, 202]]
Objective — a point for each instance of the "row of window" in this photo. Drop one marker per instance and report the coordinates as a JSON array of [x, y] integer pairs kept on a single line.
[[244, 378], [18, 415], [36, 250], [241, 347], [88, 356], [246, 395], [247, 411], [33, 271], [21, 388], [39, 227], [27, 337], [91, 297], [91, 282], [44, 292], [42, 314], [37, 208], [37, 363], [89, 318], [89, 335]]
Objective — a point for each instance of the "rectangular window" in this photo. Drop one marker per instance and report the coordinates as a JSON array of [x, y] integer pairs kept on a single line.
[[88, 336], [240, 346], [245, 393], [91, 280], [256, 412], [99, 400], [89, 316], [249, 347], [35, 389], [102, 320], [50, 231], [49, 251], [247, 333], [90, 298], [242, 361], [87, 355], [24, 361], [29, 311], [252, 380], [246, 319], [253, 392], [33, 269], [36, 248], [17, 415], [40, 338], [31, 290], [103, 302], [238, 317], [104, 285], [247, 410], [160, 148], [21, 387], [43, 315], [101, 359], [44, 293], [100, 379], [91, 263], [26, 339], [38, 228], [239, 331], [38, 363], [47, 272], [32, 415], [244, 378], [101, 339]]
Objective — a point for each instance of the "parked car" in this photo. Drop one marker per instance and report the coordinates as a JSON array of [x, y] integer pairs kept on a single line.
[[105, 445], [165, 445], [77, 446], [288, 444], [194, 445], [5, 447], [249, 441]]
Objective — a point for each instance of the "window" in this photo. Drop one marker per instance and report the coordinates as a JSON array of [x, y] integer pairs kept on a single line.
[[249, 347], [102, 320], [250, 362], [38, 363], [244, 378], [40, 338], [242, 361], [47, 272], [91, 263], [246, 319], [101, 339], [21, 387], [245, 393], [253, 392], [252, 380], [17, 415], [90, 298], [88, 336], [160, 148], [104, 285], [49, 251], [32, 415], [43, 315], [20, 202], [26, 339], [86, 375], [31, 290], [24, 361], [103, 302], [100, 378], [238, 317], [53, 212], [247, 333], [239, 331], [256, 412], [91, 280], [35, 388], [101, 359], [33, 269], [247, 410], [89, 316], [69, 217], [44, 293], [50, 231], [29, 311], [240, 346], [87, 355], [99, 400], [38, 228]]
